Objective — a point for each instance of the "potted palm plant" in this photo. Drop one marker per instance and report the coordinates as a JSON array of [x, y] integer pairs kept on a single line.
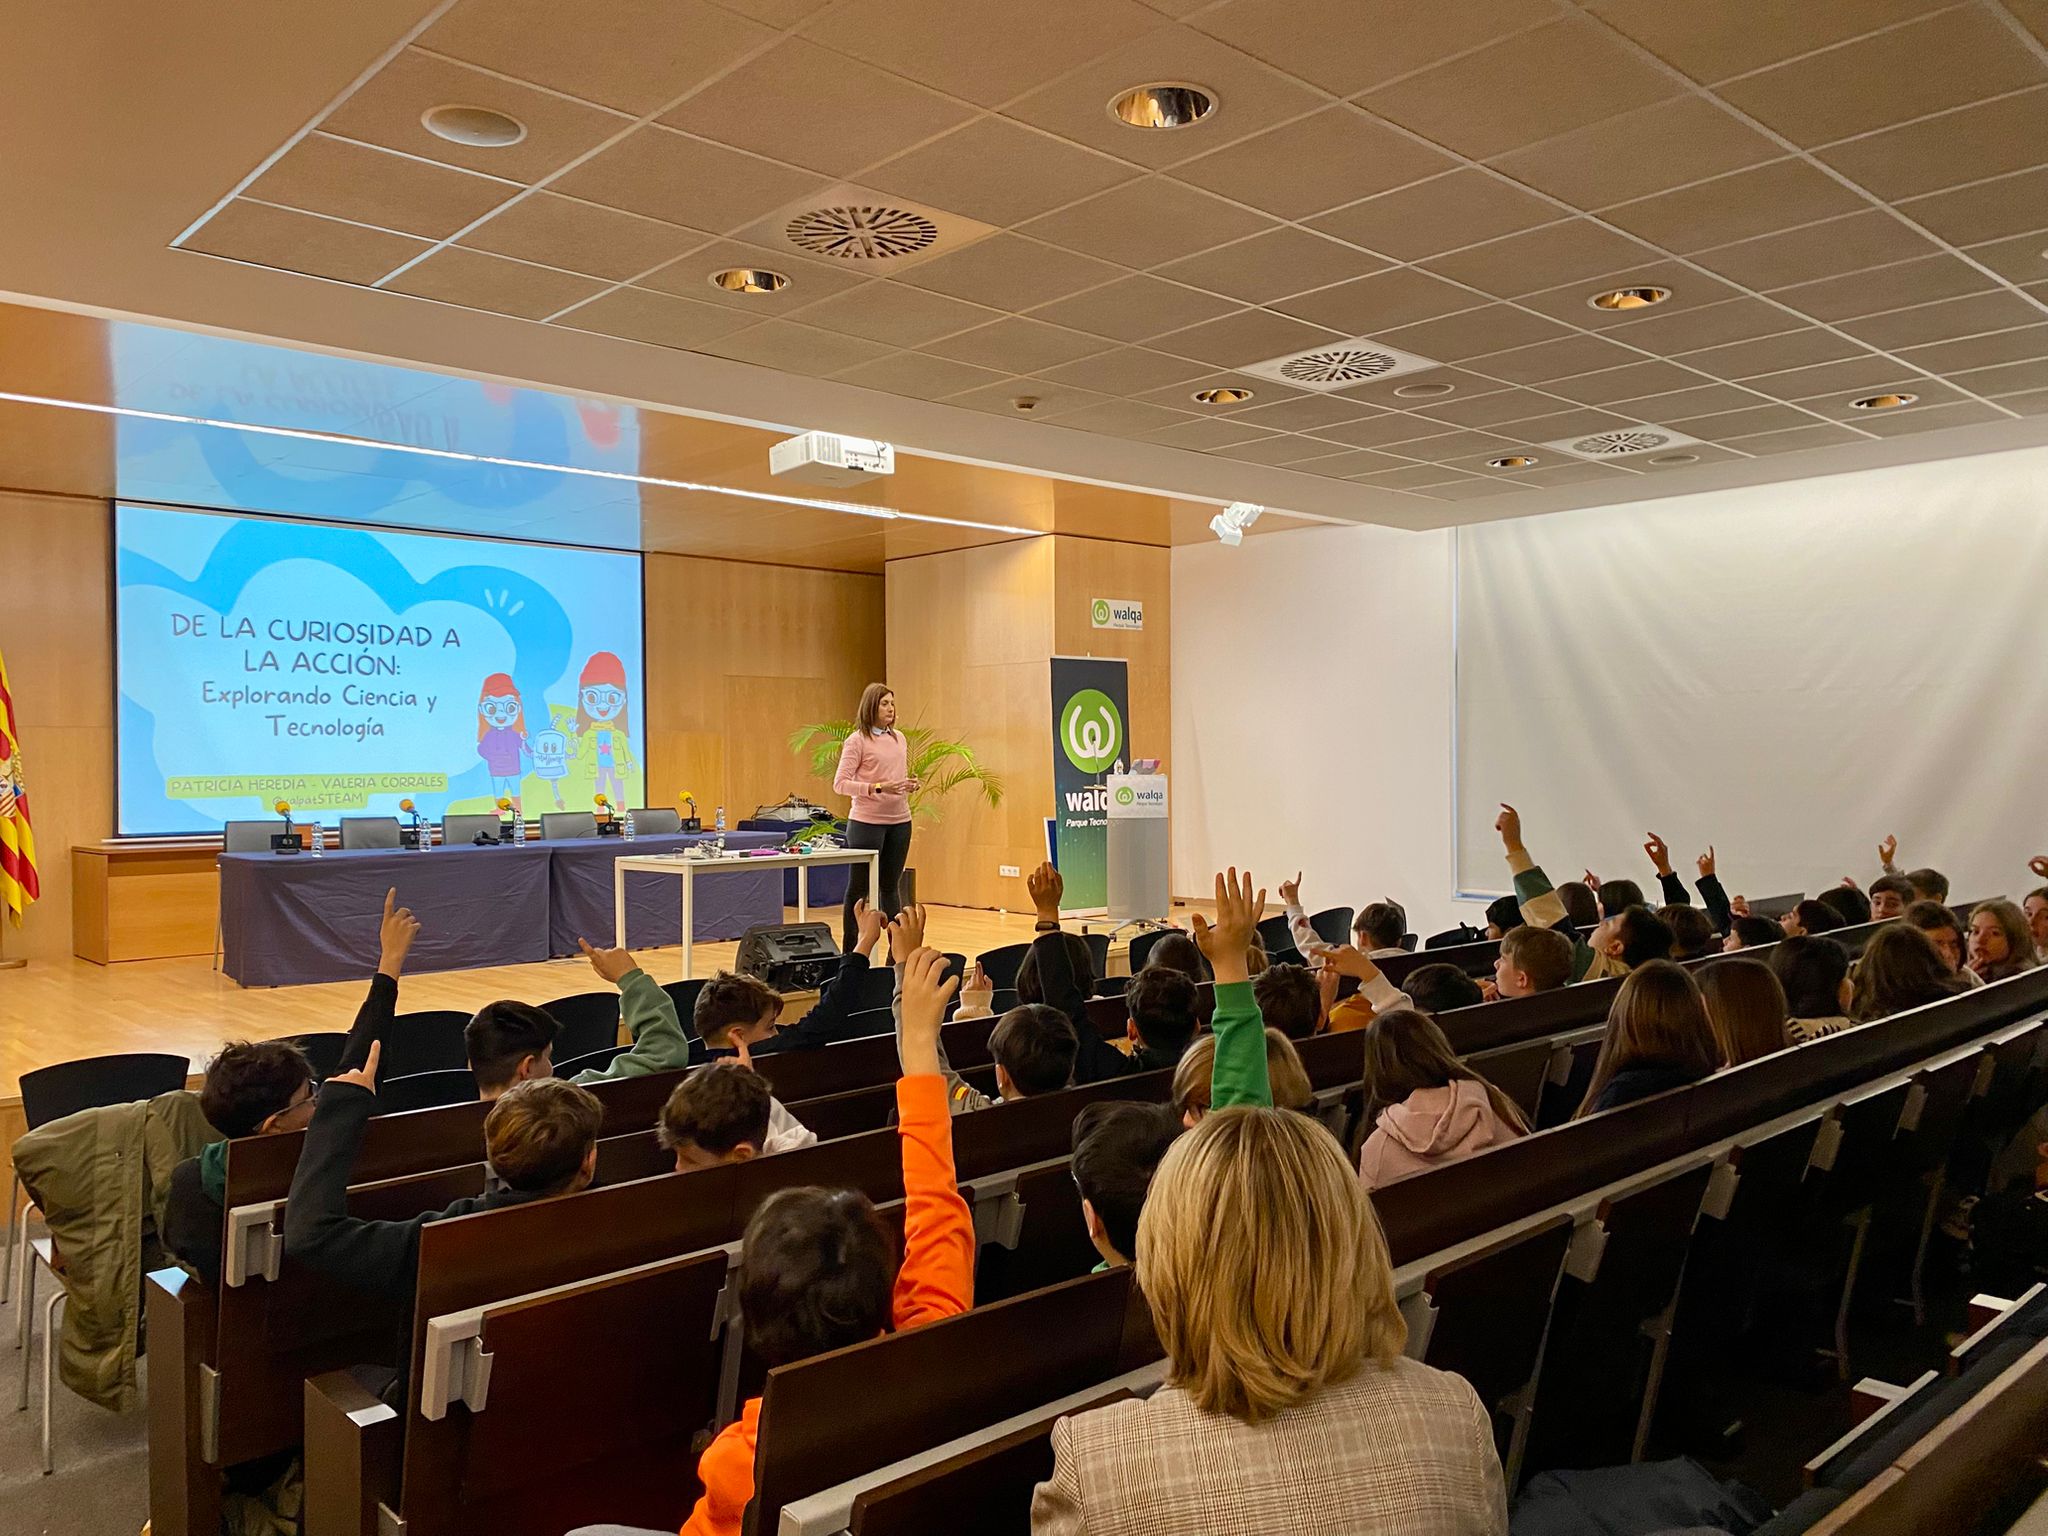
[[940, 764]]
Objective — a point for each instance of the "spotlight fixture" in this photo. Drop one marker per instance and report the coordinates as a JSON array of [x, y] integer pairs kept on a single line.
[[1167, 105], [1883, 402], [1229, 524], [473, 127], [749, 280], [1512, 461], [1629, 298], [1228, 395], [1425, 391]]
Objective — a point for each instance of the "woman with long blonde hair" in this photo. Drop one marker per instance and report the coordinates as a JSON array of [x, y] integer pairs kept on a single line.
[[1288, 1402]]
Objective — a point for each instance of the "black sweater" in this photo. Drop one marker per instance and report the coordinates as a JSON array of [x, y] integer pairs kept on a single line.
[[194, 1223], [827, 1022]]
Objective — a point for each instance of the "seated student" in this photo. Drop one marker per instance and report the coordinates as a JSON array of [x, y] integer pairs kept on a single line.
[[1378, 929], [1748, 932], [1541, 906], [1890, 895], [1503, 916], [1928, 884], [265, 1088], [1711, 892], [1033, 1046], [1117, 1147], [1692, 932], [1616, 896], [1850, 904], [719, 1114], [540, 1138], [1290, 1000], [1814, 971], [1375, 994], [737, 1013], [1288, 1401], [1946, 934], [1630, 938], [2035, 906], [1163, 1020], [1746, 1007], [816, 1271], [1284, 1079], [1532, 960], [1581, 906], [1425, 1107], [1658, 1038], [510, 1042], [1900, 968], [1439, 988], [1811, 917], [1178, 952], [2001, 944]]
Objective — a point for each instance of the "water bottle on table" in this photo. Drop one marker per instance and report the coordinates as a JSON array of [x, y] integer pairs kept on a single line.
[[718, 840], [317, 844], [627, 832], [518, 831]]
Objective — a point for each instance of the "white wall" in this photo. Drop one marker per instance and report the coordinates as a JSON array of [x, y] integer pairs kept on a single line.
[[1312, 716]]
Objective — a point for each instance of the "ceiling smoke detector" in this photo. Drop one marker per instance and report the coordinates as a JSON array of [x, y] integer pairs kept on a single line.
[[1340, 365], [1623, 443], [473, 127], [1166, 105]]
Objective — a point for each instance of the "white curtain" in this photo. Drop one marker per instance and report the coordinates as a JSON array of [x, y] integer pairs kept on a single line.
[[1788, 672]]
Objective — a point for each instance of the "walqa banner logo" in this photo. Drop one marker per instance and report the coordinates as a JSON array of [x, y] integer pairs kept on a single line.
[[1090, 705]]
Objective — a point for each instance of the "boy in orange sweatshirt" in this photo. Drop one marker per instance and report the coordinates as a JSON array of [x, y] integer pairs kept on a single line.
[[816, 1270]]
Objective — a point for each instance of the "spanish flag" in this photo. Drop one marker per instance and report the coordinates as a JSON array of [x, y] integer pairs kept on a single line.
[[18, 883]]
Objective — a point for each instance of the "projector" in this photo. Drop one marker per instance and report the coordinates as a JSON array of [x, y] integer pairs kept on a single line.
[[826, 458]]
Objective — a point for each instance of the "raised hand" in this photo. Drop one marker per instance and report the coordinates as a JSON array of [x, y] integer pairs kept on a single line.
[[978, 992], [868, 923], [395, 933], [906, 932], [926, 990], [1592, 880], [1888, 850], [614, 965], [1706, 863], [1327, 978], [1226, 941], [1509, 825], [365, 1076], [1046, 888], [2039, 865], [1290, 891], [1348, 960], [1739, 906], [1660, 854]]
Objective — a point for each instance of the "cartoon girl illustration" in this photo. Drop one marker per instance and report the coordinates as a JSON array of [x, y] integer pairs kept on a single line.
[[501, 735], [601, 719]]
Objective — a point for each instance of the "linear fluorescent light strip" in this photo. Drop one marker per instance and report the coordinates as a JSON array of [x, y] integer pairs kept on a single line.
[[307, 434]]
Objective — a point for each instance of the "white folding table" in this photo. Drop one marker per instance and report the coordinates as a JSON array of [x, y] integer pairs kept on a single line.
[[687, 869]]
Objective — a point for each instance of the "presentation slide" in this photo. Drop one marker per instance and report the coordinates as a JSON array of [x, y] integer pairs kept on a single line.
[[344, 670]]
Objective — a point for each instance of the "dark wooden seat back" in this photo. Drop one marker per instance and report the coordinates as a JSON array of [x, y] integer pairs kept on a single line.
[[1865, 1153], [1567, 1076], [1488, 1026], [869, 1109], [927, 1385], [1490, 1309], [1473, 959], [1052, 1241], [596, 1394], [431, 1040], [868, 1062], [1517, 1071], [995, 1481]]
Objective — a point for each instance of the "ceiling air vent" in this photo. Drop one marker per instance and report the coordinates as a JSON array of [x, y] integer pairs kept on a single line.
[[1339, 365], [862, 228], [1623, 443], [862, 232]]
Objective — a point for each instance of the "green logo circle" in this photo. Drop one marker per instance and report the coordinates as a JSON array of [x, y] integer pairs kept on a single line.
[[1125, 795], [1091, 730], [1101, 611]]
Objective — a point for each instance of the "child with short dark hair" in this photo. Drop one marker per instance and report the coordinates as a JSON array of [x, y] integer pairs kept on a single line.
[[1117, 1148], [718, 1114], [816, 1272], [1749, 932], [1814, 971], [1890, 895], [1692, 932], [1850, 904], [1441, 987], [1289, 1000], [1945, 932]]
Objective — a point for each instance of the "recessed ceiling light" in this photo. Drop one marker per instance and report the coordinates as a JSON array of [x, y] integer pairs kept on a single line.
[[749, 280], [1629, 298], [1512, 461], [1225, 396], [475, 127], [1167, 105], [1676, 458], [1883, 402], [1424, 391]]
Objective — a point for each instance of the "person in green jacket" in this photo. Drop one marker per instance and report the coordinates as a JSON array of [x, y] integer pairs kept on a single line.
[[1239, 1075], [512, 1042]]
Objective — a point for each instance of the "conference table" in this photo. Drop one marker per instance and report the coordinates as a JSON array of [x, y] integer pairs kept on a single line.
[[290, 919], [686, 869]]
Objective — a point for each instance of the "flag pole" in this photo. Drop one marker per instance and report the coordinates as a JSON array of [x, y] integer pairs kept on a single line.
[[8, 962]]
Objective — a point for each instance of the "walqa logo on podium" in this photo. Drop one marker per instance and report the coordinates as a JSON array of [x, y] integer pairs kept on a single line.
[[1126, 795], [1090, 703]]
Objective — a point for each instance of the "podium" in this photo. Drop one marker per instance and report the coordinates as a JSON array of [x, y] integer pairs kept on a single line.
[[1140, 848]]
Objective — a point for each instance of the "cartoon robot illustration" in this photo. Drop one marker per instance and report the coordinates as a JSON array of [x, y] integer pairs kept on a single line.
[[550, 750], [603, 722], [501, 736]]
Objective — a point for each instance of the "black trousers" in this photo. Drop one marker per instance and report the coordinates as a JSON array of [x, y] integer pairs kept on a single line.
[[894, 842]]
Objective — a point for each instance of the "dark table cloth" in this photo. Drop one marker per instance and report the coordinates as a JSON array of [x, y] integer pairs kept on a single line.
[[292, 919], [728, 902]]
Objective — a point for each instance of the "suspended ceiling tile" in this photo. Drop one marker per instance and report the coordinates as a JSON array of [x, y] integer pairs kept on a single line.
[[1552, 360], [793, 347], [2005, 205], [667, 175], [1796, 439], [1346, 46], [581, 237], [303, 242], [895, 314], [1682, 327], [1953, 357], [1039, 172], [1332, 157], [1700, 40], [479, 281], [1445, 213], [985, 54], [1754, 202], [1017, 345], [1124, 371], [369, 186], [1272, 265], [1933, 418], [656, 318], [1146, 223], [1472, 333], [1652, 149], [1773, 354], [1008, 272], [1852, 242], [1306, 413], [1988, 139], [1199, 435], [1896, 287], [1576, 250], [1973, 315], [919, 376], [1366, 306], [1250, 336], [1136, 308]]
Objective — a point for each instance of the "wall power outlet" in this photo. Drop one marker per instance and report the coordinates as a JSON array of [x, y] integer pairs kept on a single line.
[[1008, 871]]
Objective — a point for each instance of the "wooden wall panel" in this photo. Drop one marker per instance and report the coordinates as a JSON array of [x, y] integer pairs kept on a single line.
[[56, 632], [1085, 569], [740, 655]]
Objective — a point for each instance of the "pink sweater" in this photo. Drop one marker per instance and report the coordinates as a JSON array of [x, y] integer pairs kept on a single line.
[[869, 759], [1430, 1127]]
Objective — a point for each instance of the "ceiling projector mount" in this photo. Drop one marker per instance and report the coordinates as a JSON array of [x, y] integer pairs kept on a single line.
[[827, 458], [1229, 524]]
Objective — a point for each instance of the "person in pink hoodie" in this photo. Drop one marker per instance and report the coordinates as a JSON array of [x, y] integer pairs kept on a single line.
[[1425, 1107]]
